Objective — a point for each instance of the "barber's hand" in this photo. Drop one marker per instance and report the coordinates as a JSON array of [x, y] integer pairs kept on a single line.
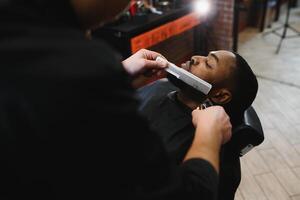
[[143, 62], [213, 128], [213, 121]]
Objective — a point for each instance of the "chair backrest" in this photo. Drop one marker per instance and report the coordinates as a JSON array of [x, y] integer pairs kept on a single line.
[[248, 134]]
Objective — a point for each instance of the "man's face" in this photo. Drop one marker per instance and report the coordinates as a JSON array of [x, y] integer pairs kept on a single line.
[[214, 68]]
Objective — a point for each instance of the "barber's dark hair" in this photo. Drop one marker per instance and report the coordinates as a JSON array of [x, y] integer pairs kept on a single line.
[[58, 11], [245, 88]]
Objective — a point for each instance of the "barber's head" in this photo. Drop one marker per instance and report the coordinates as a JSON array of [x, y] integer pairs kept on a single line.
[[93, 13], [90, 13], [234, 83]]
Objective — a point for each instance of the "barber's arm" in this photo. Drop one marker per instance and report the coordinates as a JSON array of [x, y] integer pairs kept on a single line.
[[201, 165], [213, 128]]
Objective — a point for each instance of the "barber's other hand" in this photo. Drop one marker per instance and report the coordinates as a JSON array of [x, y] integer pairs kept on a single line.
[[213, 128], [213, 121], [143, 62]]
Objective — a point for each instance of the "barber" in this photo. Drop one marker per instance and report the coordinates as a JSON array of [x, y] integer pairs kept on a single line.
[[69, 126]]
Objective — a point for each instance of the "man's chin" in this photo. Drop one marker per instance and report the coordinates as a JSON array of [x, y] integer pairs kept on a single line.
[[187, 89]]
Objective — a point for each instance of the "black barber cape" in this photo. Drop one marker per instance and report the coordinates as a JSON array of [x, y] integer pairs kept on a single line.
[[172, 120], [69, 126]]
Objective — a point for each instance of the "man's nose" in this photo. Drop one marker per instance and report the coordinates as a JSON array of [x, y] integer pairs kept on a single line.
[[197, 60]]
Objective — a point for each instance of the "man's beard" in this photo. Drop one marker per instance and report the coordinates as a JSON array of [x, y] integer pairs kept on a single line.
[[187, 90]]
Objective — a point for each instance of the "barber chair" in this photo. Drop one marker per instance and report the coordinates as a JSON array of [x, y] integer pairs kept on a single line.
[[248, 134], [245, 136]]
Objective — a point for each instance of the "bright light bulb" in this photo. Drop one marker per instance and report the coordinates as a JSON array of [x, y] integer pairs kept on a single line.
[[202, 6]]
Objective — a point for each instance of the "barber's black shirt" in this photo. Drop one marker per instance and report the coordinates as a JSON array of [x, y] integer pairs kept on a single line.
[[68, 121]]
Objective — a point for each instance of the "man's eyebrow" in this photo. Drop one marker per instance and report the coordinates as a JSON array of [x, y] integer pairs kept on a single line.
[[215, 57]]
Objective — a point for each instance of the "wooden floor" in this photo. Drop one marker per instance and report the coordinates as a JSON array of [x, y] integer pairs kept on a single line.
[[272, 170]]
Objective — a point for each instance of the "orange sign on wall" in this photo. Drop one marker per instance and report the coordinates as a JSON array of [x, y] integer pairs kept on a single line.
[[164, 32]]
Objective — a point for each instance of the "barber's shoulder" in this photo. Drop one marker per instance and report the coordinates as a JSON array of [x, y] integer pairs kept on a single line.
[[105, 52], [94, 57]]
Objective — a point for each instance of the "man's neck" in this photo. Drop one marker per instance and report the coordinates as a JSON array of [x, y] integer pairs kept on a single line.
[[192, 104]]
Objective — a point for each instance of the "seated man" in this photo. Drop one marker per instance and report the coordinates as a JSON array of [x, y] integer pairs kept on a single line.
[[168, 108]]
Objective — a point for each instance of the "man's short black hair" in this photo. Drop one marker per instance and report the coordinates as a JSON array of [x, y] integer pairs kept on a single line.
[[245, 88]]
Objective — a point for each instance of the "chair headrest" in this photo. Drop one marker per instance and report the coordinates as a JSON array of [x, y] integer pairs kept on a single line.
[[248, 134]]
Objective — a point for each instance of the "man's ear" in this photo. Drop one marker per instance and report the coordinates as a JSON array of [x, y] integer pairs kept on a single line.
[[221, 96]]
